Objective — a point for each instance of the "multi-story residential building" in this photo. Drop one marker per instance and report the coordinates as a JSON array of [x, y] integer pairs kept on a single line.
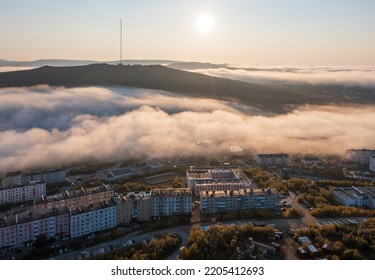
[[92, 218], [142, 209], [215, 179], [372, 163], [83, 197], [22, 192], [229, 201], [272, 159], [165, 202], [48, 176], [12, 178], [353, 196], [124, 209], [308, 161], [359, 156], [22, 229]]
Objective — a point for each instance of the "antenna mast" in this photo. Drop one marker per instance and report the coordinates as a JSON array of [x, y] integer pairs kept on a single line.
[[120, 41]]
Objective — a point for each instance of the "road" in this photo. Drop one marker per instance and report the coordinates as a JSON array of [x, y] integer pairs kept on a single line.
[[307, 218], [182, 231]]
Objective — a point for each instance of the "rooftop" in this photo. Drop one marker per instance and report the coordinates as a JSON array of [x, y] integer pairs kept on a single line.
[[12, 174], [76, 193], [91, 207], [241, 192], [171, 192], [355, 192], [44, 171], [30, 216], [31, 183]]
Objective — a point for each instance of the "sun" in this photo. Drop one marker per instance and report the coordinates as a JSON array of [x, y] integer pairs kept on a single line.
[[204, 23]]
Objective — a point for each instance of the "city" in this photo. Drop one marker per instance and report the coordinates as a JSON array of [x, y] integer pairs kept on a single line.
[[284, 206], [175, 139]]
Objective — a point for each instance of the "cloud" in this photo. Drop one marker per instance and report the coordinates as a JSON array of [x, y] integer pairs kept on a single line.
[[152, 131], [48, 108], [359, 76]]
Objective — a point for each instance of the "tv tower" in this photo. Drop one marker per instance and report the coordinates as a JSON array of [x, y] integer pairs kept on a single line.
[[120, 42]]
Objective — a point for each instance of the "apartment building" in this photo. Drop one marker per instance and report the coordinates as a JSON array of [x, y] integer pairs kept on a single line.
[[372, 163], [124, 209], [353, 196], [51, 176], [142, 209], [22, 192], [272, 159], [166, 202], [19, 230], [12, 178], [359, 156], [236, 200], [82, 197], [92, 218], [216, 179]]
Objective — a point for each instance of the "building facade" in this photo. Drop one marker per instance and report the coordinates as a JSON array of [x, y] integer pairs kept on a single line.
[[142, 209], [22, 192], [93, 218], [124, 209], [353, 196], [359, 156], [12, 178], [372, 163], [72, 199], [51, 176], [229, 201], [166, 202], [272, 159], [21, 229], [216, 179]]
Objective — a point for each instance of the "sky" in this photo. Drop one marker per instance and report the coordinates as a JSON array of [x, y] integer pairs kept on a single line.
[[244, 32]]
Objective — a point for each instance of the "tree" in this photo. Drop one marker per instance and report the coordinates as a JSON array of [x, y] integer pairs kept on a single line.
[[352, 254], [42, 240], [337, 248]]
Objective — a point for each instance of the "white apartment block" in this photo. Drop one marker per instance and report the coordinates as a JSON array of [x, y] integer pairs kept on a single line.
[[272, 159], [353, 196], [93, 218], [19, 230], [22, 193], [12, 178], [166, 202], [229, 201], [216, 179], [49, 176], [359, 156], [372, 163]]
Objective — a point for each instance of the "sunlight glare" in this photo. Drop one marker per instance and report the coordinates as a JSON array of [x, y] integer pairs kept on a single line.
[[204, 23]]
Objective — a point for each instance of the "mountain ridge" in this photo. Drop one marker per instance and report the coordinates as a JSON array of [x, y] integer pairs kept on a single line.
[[163, 78]]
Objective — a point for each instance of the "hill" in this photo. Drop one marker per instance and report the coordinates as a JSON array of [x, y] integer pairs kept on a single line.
[[162, 78], [71, 62]]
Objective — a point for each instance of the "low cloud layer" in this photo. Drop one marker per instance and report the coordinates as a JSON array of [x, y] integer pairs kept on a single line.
[[43, 126], [48, 108], [359, 76]]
